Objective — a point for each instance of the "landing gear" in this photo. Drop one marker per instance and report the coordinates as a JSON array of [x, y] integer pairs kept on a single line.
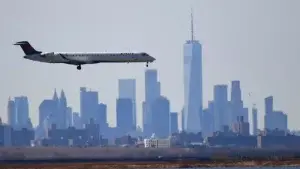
[[79, 67], [147, 64]]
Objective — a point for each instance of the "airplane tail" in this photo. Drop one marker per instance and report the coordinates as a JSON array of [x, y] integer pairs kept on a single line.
[[27, 48]]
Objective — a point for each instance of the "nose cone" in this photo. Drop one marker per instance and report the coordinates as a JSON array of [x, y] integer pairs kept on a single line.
[[153, 59], [148, 58]]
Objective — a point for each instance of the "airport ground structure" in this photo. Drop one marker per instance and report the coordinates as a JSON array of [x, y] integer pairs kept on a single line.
[[101, 154], [100, 157]]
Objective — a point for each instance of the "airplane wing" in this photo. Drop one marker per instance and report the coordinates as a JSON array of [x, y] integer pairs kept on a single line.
[[74, 59]]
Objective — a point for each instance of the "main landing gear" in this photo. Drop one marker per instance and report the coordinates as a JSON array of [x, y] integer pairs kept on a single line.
[[147, 64], [79, 67]]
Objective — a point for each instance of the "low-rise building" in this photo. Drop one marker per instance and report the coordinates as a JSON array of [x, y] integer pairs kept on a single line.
[[157, 143]]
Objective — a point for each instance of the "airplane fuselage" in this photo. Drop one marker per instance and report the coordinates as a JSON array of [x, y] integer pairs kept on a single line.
[[89, 58], [82, 58]]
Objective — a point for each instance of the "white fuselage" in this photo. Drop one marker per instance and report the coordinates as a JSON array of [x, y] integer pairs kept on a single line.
[[89, 58]]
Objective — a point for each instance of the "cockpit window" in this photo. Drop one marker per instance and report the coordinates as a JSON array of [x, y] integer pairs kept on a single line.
[[144, 54]]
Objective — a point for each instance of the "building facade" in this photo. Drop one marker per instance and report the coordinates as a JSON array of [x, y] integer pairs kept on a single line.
[[127, 90], [192, 83]]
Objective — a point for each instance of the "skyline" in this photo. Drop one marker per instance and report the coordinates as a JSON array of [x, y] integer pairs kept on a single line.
[[215, 31], [228, 94]]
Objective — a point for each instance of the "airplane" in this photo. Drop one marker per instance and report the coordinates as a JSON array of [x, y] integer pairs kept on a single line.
[[79, 59]]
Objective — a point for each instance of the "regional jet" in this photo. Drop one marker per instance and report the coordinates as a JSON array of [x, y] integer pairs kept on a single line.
[[79, 59]]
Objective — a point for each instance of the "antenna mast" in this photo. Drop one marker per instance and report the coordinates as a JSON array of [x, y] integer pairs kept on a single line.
[[192, 25]]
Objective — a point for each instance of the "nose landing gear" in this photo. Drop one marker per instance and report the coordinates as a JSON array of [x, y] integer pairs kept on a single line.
[[79, 67], [147, 64]]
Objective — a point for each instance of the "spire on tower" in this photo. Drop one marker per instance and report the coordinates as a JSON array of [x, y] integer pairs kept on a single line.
[[192, 25], [55, 95], [62, 94]]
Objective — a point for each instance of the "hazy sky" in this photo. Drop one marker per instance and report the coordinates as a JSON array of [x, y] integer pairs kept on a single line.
[[251, 40]]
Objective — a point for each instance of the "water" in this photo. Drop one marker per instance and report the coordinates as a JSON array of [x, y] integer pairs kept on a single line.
[[246, 168]]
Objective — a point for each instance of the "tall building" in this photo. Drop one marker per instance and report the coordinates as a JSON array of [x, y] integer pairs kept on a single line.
[[208, 120], [236, 93], [127, 90], [46, 110], [102, 114], [192, 83], [11, 113], [236, 103], [158, 89], [254, 121], [245, 114], [62, 120], [221, 115], [269, 104], [152, 91], [274, 120], [22, 110], [124, 115], [173, 122], [102, 118], [54, 117], [77, 123], [269, 123], [69, 113], [88, 105], [182, 119], [161, 117], [241, 127]]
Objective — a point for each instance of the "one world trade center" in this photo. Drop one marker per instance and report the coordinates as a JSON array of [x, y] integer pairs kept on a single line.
[[192, 111]]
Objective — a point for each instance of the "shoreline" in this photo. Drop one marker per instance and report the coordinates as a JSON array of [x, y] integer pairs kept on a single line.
[[158, 164]]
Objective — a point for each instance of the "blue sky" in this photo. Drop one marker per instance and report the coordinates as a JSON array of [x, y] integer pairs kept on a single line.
[[251, 40]]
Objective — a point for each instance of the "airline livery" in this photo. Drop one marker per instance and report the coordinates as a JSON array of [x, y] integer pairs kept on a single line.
[[79, 59]]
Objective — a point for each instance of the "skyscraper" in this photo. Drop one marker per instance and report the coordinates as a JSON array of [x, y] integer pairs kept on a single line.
[[274, 119], [221, 116], [254, 121], [77, 121], [173, 122], [124, 115], [69, 114], [11, 113], [46, 111], [208, 120], [22, 110], [182, 119], [101, 118], [54, 117], [152, 85], [236, 103], [62, 120], [152, 91], [127, 90], [269, 104], [88, 105], [192, 83], [161, 117]]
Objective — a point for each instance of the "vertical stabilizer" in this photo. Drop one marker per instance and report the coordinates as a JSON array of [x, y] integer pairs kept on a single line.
[[27, 48]]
